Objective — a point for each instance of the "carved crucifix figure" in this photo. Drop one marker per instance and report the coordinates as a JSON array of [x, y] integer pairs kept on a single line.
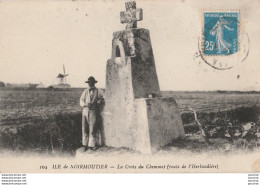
[[131, 15]]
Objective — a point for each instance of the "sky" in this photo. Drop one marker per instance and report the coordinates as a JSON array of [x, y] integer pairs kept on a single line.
[[38, 37]]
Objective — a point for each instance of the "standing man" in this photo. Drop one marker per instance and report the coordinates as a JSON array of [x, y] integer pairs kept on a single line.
[[89, 101]]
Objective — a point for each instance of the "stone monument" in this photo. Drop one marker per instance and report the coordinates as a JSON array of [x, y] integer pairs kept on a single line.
[[135, 114]]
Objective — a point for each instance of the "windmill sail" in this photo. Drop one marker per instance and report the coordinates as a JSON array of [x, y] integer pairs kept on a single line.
[[64, 74]]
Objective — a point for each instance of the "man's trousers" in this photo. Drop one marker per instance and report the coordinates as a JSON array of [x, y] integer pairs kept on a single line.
[[89, 128]]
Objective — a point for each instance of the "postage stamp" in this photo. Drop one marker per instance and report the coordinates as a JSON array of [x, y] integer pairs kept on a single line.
[[221, 33]]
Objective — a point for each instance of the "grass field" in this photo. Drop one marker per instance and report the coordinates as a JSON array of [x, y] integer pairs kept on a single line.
[[22, 106], [45, 120]]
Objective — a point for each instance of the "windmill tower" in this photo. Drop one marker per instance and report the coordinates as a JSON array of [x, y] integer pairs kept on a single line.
[[62, 77], [62, 83]]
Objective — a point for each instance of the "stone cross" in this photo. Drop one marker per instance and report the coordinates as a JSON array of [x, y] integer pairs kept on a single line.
[[131, 15]]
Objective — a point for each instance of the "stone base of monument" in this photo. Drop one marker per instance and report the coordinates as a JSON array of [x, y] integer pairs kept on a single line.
[[135, 115], [153, 123]]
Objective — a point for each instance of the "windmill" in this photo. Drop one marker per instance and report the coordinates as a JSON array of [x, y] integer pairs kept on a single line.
[[62, 77], [62, 83]]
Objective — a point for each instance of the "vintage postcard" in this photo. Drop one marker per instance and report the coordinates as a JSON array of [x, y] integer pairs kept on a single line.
[[129, 86]]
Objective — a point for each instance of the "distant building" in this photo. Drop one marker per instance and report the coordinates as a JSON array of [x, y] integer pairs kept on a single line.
[[2, 84], [21, 86], [40, 85]]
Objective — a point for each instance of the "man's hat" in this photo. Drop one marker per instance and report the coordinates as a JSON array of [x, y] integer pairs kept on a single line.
[[91, 79]]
